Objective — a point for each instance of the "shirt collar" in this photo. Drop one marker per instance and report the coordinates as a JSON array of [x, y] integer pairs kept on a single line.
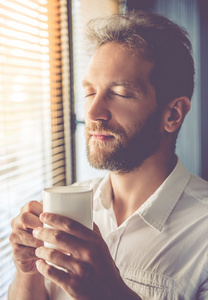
[[158, 207], [103, 195]]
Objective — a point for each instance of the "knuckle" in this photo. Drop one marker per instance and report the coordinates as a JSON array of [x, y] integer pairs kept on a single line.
[[80, 270], [12, 237], [49, 270], [52, 254], [84, 270], [57, 235], [28, 207], [51, 218], [24, 219], [69, 225], [88, 255]]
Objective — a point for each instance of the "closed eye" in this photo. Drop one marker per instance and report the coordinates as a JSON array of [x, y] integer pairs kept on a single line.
[[122, 96], [89, 95]]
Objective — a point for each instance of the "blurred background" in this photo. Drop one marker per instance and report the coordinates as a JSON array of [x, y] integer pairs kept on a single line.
[[42, 63]]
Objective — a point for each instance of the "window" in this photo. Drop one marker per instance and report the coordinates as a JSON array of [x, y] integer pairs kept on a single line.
[[82, 12], [34, 118]]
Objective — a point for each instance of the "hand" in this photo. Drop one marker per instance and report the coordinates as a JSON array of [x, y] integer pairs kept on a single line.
[[22, 240], [91, 271]]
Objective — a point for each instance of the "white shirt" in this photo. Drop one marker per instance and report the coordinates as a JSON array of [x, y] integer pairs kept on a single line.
[[162, 249]]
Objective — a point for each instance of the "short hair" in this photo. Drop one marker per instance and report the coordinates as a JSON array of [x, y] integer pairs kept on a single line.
[[156, 38]]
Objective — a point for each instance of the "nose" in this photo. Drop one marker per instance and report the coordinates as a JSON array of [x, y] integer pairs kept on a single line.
[[97, 109]]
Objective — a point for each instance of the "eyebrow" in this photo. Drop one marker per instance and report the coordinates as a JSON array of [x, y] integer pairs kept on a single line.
[[86, 83], [123, 84], [137, 87]]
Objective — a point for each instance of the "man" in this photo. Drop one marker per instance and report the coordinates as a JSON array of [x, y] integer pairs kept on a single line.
[[150, 241]]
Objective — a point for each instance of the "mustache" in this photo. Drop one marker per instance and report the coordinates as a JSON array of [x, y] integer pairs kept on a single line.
[[101, 126]]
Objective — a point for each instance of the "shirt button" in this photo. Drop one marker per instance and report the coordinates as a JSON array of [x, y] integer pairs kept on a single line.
[[113, 238]]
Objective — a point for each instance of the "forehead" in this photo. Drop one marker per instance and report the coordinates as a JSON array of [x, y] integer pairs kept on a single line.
[[114, 62]]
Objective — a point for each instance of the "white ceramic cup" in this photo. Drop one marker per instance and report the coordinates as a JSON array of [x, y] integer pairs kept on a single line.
[[74, 202]]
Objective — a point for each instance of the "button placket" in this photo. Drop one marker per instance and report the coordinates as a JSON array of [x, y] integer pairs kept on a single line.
[[113, 241]]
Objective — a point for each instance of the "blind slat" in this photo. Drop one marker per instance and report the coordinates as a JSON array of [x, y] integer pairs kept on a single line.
[[13, 5], [23, 37], [20, 44], [22, 28], [15, 185], [32, 145], [13, 16]]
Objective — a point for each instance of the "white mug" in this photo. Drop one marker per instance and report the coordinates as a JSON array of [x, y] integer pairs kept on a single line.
[[74, 202]]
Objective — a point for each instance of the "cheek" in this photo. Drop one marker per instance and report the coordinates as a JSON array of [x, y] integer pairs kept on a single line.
[[132, 128], [128, 123], [126, 115], [123, 113]]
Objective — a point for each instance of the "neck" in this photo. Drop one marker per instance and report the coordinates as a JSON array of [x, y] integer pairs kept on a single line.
[[132, 189]]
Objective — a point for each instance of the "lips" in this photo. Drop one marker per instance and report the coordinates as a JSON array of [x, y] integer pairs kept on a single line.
[[100, 136]]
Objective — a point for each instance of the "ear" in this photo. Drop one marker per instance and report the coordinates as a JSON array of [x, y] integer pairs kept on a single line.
[[174, 113]]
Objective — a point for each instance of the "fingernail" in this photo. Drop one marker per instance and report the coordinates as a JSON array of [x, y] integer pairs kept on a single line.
[[42, 217], [37, 252], [38, 262], [36, 232]]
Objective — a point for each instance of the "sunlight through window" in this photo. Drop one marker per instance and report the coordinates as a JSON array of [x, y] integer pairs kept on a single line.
[[31, 111]]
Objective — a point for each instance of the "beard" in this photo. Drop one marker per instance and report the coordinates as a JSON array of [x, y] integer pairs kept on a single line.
[[123, 154]]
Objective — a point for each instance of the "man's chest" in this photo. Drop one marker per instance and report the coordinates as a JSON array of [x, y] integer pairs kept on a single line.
[[157, 265]]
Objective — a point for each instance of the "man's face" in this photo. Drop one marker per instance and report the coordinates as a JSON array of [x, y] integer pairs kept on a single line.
[[122, 121]]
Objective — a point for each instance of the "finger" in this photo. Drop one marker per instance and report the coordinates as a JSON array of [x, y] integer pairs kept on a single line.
[[24, 253], [62, 240], [28, 220], [61, 278], [68, 225], [25, 239], [62, 260], [33, 207]]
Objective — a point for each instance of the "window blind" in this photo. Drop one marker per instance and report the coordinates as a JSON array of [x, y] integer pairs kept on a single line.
[[57, 116], [32, 119]]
